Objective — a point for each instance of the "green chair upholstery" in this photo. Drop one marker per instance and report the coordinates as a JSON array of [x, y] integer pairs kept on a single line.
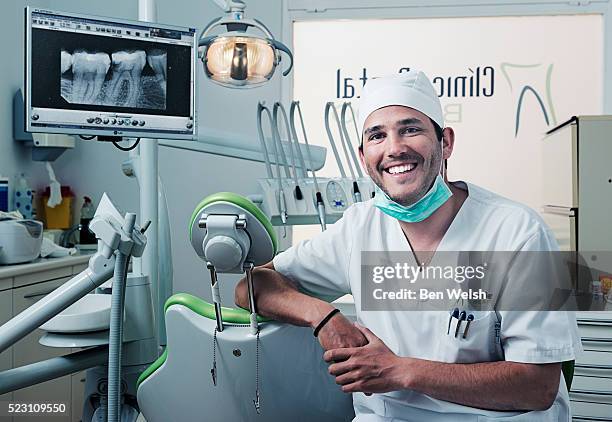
[[205, 309]]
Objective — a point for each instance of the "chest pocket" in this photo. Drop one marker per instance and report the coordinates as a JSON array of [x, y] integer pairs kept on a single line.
[[480, 343]]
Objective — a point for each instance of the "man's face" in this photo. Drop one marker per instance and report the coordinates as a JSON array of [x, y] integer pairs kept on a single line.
[[401, 152]]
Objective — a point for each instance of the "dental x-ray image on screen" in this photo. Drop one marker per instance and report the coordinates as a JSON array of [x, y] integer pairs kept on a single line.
[[129, 78], [96, 76]]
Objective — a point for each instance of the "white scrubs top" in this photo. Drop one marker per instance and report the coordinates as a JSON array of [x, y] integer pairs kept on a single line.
[[329, 265]]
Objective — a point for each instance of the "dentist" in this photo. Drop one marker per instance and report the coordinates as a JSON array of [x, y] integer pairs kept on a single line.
[[402, 366]]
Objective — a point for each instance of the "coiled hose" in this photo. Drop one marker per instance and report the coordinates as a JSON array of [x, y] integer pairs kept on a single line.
[[116, 328]]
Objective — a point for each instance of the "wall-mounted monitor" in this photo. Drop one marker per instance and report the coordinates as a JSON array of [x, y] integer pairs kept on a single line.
[[86, 75]]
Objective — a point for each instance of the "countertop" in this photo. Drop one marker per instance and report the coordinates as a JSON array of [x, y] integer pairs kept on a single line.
[[43, 264]]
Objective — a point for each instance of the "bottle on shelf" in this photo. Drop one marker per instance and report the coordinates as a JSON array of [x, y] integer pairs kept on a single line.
[[24, 197], [87, 213]]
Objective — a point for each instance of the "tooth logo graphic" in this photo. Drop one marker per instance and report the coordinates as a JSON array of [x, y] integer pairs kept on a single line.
[[535, 88]]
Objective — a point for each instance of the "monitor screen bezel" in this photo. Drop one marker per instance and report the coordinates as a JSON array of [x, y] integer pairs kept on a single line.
[[125, 131]]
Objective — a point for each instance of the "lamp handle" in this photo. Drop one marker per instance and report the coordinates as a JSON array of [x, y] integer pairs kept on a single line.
[[282, 47]]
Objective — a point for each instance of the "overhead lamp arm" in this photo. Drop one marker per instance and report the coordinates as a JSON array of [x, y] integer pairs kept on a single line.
[[231, 5]]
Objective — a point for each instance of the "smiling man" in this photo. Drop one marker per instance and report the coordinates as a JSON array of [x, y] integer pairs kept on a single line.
[[403, 366]]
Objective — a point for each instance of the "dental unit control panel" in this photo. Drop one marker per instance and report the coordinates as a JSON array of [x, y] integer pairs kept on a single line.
[[336, 194], [91, 76]]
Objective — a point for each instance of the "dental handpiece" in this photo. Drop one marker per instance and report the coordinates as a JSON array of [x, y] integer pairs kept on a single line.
[[283, 207], [356, 192], [295, 105], [282, 204], [321, 211], [345, 147], [279, 107]]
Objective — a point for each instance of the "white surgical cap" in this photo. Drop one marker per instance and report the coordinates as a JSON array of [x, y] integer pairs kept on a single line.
[[411, 89]]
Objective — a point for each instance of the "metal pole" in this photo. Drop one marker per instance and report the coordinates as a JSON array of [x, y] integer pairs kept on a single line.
[[149, 170], [214, 284], [35, 373], [253, 309], [53, 303]]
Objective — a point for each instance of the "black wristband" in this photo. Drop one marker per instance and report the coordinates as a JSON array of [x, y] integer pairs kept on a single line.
[[325, 321]]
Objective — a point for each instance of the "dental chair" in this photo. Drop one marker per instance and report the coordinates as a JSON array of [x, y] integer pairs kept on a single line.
[[226, 364]]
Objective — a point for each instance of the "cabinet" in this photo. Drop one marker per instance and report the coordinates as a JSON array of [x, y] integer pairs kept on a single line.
[[78, 395], [6, 358], [591, 393], [577, 198], [20, 287], [577, 204], [28, 350]]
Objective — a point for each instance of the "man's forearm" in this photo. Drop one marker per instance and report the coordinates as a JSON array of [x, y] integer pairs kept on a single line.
[[277, 298], [502, 386]]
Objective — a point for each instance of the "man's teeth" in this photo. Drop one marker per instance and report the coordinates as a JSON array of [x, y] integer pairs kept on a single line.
[[401, 169]]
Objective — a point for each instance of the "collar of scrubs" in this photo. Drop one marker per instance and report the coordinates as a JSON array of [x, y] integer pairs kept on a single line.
[[449, 242]]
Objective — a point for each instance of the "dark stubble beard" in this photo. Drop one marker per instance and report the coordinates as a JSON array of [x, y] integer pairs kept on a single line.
[[413, 197]]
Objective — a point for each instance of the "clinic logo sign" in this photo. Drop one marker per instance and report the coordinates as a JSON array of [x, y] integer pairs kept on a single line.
[[476, 82], [541, 93]]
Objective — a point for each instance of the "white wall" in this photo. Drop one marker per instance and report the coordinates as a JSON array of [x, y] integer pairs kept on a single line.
[[92, 167], [526, 52], [14, 158], [310, 10], [340, 40]]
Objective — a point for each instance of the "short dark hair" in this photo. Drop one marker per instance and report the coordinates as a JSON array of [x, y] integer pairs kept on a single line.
[[436, 126]]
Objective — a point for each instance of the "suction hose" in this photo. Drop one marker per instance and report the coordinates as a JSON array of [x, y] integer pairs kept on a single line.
[[116, 328]]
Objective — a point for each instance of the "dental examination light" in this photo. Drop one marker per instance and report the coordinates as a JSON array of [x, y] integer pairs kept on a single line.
[[237, 59]]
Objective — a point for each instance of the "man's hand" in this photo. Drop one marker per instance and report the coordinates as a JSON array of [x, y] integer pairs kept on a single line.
[[340, 332], [501, 386], [372, 368]]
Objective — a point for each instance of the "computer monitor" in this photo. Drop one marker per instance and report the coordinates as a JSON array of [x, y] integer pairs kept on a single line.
[[88, 75]]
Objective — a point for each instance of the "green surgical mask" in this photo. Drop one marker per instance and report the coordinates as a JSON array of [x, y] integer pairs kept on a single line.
[[420, 210]]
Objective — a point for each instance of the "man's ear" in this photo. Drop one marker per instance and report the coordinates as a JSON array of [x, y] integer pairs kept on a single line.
[[448, 142]]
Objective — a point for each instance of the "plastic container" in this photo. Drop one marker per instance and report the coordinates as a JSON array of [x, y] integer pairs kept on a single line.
[[606, 284], [4, 195], [597, 291], [24, 197], [59, 217]]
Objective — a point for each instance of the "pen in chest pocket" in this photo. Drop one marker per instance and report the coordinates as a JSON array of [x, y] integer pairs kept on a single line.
[[462, 317], [454, 314], [470, 318]]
